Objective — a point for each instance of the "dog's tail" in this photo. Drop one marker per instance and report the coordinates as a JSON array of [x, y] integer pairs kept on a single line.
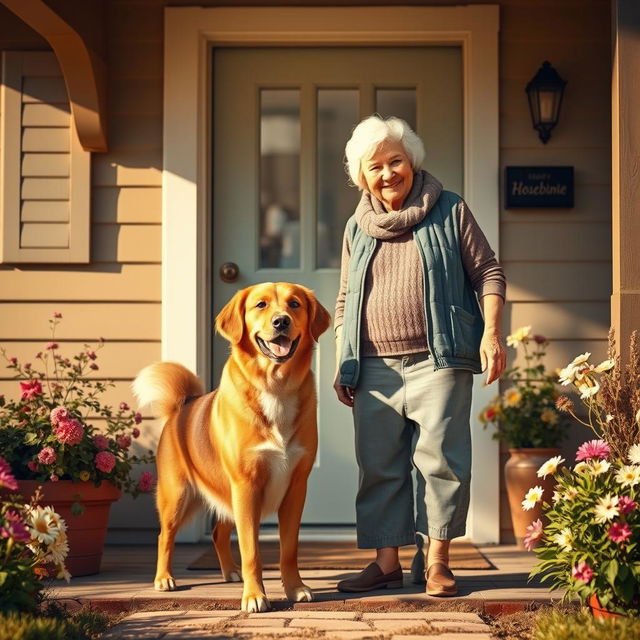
[[164, 386]]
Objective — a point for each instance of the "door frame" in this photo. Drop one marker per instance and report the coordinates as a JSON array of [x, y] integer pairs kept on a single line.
[[190, 35]]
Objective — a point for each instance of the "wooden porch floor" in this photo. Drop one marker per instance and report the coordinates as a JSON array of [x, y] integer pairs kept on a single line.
[[125, 583]]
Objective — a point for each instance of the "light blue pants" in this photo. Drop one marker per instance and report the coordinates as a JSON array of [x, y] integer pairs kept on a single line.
[[406, 412]]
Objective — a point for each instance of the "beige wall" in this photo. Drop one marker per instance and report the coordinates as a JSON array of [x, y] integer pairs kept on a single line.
[[558, 263]]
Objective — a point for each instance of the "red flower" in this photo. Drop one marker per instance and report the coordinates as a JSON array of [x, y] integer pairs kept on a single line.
[[582, 571], [626, 504], [105, 461], [30, 389], [100, 442], [69, 431], [47, 456], [147, 481], [124, 442], [619, 532]]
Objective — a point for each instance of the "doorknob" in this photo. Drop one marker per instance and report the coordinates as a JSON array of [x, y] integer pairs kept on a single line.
[[229, 272]]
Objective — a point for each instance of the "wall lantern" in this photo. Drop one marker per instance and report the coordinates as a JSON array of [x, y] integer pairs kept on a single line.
[[545, 98]]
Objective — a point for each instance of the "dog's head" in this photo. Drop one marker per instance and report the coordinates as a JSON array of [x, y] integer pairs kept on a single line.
[[274, 320]]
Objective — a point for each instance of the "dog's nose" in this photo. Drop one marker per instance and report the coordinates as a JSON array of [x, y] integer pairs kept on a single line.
[[280, 323]]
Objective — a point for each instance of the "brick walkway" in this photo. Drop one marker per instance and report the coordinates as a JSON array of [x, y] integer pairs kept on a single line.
[[348, 625]]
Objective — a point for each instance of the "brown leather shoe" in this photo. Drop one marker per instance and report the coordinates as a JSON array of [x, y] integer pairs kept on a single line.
[[372, 578], [440, 581]]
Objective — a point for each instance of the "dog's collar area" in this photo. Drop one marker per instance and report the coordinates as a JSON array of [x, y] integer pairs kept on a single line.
[[272, 356]]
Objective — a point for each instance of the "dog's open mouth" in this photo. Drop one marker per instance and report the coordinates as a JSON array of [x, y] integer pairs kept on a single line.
[[279, 349]]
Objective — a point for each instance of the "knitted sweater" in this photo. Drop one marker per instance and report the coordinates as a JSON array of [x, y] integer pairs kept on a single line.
[[393, 319]]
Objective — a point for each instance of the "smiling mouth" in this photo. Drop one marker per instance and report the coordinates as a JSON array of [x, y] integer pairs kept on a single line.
[[279, 349]]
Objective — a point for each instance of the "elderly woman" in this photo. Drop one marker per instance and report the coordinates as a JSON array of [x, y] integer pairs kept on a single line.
[[410, 334]]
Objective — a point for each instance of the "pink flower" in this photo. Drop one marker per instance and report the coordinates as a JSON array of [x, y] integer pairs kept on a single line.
[[52, 345], [57, 415], [32, 465], [57, 314], [147, 481], [135, 432], [15, 528], [69, 431], [38, 355], [13, 360], [124, 406], [534, 533], [91, 355], [94, 366], [27, 365], [124, 442], [30, 389], [538, 339], [100, 442], [47, 456], [7, 479], [626, 504], [593, 449], [105, 461], [137, 418], [53, 477], [619, 532], [582, 571]]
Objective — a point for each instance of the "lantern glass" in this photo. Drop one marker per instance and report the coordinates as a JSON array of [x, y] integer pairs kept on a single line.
[[545, 98]]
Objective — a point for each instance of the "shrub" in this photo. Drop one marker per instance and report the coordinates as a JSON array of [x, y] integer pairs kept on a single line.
[[557, 625]]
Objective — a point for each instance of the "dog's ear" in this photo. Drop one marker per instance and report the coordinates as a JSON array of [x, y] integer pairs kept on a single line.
[[319, 317], [230, 321]]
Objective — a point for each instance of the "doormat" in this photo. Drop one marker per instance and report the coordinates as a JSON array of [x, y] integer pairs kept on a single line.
[[345, 555]]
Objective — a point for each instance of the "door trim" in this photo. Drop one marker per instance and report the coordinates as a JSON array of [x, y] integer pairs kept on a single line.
[[190, 34]]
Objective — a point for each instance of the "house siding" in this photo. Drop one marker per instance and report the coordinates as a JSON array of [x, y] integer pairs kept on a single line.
[[557, 262]]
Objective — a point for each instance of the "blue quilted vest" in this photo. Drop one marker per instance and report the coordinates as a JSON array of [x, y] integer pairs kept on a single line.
[[454, 321]]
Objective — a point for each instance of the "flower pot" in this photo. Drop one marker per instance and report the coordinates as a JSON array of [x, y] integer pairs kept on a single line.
[[520, 474], [86, 532], [598, 612]]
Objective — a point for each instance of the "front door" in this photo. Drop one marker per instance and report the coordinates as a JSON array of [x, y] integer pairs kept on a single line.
[[281, 118]]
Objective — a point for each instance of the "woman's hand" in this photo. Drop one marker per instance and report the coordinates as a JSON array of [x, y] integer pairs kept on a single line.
[[493, 356], [345, 394]]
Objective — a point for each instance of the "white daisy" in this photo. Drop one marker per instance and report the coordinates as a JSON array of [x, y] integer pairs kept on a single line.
[[606, 509], [570, 493], [634, 454], [550, 466], [59, 549], [56, 519], [628, 476], [556, 497], [41, 527], [564, 539], [605, 365], [598, 467], [588, 387], [519, 335], [581, 467], [572, 370], [533, 496]]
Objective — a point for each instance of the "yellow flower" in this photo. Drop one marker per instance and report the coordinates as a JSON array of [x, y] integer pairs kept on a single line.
[[598, 467], [581, 467], [549, 416], [84, 476], [588, 387], [519, 335], [512, 397]]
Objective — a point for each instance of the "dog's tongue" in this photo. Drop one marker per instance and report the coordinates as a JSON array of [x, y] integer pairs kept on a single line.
[[280, 348]]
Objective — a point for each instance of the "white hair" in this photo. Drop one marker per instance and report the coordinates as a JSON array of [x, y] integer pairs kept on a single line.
[[370, 134]]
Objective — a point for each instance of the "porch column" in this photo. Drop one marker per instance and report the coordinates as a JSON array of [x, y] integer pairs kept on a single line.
[[625, 146]]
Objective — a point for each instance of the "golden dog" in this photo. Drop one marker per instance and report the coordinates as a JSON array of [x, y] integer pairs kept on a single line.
[[247, 448]]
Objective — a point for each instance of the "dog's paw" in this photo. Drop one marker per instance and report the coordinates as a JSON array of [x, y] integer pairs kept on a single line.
[[301, 593], [164, 584], [232, 576], [255, 603]]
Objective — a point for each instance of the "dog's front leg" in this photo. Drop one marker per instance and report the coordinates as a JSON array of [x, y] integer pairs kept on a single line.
[[246, 499], [289, 516]]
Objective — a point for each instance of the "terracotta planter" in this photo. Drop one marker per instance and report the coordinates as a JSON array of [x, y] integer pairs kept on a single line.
[[598, 612], [520, 476], [85, 532]]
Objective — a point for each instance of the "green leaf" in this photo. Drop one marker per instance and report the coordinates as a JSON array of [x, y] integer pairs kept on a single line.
[[611, 571]]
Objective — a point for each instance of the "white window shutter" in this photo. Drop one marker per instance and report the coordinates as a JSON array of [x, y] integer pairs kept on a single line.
[[45, 175]]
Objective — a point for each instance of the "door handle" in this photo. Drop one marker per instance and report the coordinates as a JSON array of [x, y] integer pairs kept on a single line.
[[229, 272]]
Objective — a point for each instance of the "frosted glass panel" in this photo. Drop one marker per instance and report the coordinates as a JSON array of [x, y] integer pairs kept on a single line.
[[337, 115], [397, 102], [279, 178]]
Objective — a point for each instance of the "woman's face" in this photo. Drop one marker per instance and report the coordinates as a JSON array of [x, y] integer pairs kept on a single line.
[[388, 174]]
